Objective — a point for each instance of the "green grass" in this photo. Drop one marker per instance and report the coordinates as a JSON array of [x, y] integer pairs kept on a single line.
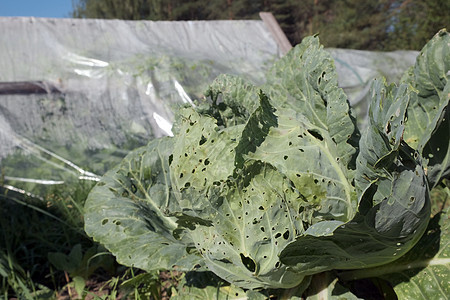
[[31, 228], [45, 253]]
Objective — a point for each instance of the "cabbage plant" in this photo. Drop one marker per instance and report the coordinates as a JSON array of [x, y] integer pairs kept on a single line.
[[267, 186]]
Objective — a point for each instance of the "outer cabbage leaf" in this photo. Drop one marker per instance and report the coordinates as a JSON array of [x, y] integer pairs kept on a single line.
[[307, 133], [209, 292], [305, 80], [202, 159], [325, 286], [253, 221], [308, 156], [248, 210], [394, 205], [422, 273], [204, 154], [381, 143], [129, 211], [205, 285], [428, 124]]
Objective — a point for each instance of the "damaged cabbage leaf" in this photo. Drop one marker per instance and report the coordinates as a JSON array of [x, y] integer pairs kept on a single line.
[[305, 80], [249, 207], [428, 124], [422, 273], [128, 211], [394, 206]]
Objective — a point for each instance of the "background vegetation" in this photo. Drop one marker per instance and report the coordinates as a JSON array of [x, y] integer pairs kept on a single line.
[[368, 25]]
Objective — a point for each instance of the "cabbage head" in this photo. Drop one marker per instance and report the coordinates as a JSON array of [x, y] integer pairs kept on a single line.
[[265, 186]]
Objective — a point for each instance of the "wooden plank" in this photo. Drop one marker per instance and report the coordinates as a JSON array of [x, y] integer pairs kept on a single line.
[[276, 31], [27, 88]]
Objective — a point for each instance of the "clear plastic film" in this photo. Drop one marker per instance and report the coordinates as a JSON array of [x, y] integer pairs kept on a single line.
[[357, 69], [76, 95]]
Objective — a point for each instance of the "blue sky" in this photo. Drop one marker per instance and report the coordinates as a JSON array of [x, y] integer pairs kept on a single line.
[[36, 8]]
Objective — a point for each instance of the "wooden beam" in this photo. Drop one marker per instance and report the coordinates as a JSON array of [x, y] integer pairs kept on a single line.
[[27, 88], [276, 31]]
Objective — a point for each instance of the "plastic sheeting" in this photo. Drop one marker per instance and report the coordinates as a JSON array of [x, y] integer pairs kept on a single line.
[[79, 94], [357, 69], [111, 87]]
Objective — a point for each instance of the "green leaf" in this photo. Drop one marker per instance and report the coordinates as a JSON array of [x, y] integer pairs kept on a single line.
[[222, 193], [79, 284], [305, 80], [253, 220], [205, 285], [131, 209], [70, 263], [387, 231], [307, 155], [381, 142], [325, 286], [428, 125], [422, 273], [203, 157], [394, 204]]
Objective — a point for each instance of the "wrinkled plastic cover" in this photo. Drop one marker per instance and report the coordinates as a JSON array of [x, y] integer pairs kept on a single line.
[[356, 70], [109, 86]]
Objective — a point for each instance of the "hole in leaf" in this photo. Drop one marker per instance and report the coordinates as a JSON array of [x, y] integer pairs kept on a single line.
[[206, 162], [286, 235], [224, 260], [388, 127], [202, 140], [285, 157], [277, 235], [170, 159], [248, 263], [316, 134], [104, 221]]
